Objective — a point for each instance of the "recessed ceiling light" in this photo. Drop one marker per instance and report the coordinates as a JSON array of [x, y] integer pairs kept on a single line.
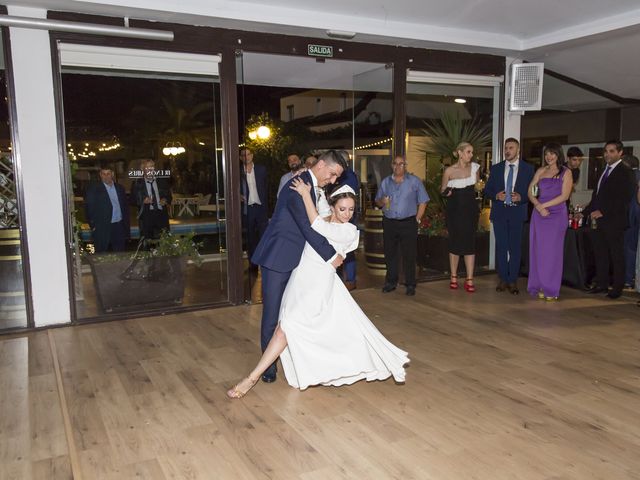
[[460, 100]]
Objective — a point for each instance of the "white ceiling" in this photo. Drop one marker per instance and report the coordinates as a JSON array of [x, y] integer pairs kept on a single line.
[[592, 41]]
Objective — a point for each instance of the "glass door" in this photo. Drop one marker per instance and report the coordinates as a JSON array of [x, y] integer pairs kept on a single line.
[[293, 108], [13, 309], [144, 154], [443, 110]]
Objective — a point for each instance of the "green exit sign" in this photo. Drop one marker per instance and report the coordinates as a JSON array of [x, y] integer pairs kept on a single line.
[[320, 51]]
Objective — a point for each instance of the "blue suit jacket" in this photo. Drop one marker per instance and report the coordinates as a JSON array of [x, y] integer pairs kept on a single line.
[[261, 185], [280, 247], [496, 184]]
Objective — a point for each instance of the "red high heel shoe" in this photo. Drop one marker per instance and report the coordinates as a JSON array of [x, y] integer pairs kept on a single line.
[[453, 283], [468, 286]]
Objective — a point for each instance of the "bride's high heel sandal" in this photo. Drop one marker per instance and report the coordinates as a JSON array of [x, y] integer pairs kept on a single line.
[[236, 392], [468, 285], [453, 283]]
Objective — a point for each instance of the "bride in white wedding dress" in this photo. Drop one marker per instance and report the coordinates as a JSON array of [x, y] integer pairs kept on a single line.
[[323, 337]]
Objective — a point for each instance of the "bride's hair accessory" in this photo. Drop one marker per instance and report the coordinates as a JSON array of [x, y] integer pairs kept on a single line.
[[343, 189]]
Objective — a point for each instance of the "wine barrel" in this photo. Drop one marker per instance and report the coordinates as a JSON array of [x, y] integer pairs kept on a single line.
[[11, 276], [373, 243]]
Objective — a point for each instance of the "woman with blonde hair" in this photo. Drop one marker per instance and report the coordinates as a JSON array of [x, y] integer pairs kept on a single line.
[[458, 188]]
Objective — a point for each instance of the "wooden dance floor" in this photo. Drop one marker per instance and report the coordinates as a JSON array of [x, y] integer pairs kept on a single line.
[[499, 387]]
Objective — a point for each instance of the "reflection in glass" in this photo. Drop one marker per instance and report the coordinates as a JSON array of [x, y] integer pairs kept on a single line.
[[146, 170], [435, 112], [13, 311]]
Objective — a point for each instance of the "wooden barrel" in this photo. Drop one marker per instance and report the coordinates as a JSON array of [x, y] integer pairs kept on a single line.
[[373, 244], [11, 276]]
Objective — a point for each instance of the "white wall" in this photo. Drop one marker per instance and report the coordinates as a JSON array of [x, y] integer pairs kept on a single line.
[[37, 153]]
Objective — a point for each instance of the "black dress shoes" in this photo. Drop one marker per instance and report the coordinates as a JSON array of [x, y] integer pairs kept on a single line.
[[597, 289], [411, 290], [388, 288], [501, 287], [613, 294], [513, 288], [269, 375]]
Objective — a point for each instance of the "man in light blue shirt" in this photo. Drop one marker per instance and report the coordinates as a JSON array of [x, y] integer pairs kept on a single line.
[[295, 167], [107, 212], [403, 200]]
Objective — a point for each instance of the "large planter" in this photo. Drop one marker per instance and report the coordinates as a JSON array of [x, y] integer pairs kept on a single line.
[[433, 252], [125, 285]]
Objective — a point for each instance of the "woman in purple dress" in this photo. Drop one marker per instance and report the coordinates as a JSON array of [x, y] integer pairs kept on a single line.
[[549, 190]]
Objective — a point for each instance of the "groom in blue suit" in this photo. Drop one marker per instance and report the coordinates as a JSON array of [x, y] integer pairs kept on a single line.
[[507, 188], [280, 248]]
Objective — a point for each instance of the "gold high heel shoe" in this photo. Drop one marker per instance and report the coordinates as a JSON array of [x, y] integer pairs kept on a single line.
[[235, 392]]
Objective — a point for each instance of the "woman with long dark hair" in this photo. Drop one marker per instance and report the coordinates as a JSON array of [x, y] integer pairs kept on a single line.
[[549, 190]]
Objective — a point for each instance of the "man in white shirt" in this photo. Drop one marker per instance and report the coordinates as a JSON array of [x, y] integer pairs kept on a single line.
[[253, 187]]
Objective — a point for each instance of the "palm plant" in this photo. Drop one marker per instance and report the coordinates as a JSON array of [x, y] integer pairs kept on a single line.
[[448, 132]]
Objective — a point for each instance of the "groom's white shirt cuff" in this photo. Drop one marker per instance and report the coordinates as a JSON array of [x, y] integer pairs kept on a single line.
[[315, 185]]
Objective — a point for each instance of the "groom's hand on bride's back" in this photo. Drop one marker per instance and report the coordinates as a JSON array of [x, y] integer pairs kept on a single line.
[[337, 261]]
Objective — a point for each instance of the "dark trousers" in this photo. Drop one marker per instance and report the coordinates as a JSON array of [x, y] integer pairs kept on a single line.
[[273, 285], [508, 235], [630, 250], [152, 222], [609, 253], [116, 238], [254, 223], [404, 234]]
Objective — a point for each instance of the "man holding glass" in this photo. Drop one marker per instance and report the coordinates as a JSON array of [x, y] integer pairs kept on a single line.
[[507, 189], [403, 200]]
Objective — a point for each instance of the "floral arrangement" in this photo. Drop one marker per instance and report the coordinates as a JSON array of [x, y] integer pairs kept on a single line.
[[433, 223], [167, 245]]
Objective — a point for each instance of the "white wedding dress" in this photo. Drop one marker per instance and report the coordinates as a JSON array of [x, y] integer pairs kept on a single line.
[[330, 339]]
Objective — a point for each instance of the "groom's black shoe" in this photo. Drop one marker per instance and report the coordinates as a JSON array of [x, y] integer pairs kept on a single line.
[[388, 288], [269, 375], [411, 290]]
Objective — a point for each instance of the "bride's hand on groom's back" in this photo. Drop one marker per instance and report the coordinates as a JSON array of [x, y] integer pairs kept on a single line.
[[299, 186]]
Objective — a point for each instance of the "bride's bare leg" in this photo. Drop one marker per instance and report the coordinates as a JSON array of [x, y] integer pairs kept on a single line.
[[275, 347]]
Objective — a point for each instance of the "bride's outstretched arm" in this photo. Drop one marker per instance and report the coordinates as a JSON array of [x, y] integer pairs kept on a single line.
[[304, 190]]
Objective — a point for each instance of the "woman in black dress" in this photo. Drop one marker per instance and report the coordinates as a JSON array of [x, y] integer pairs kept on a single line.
[[458, 187]]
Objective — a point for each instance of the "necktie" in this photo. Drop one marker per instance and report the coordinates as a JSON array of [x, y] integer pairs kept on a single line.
[[154, 199], [509, 188], [605, 176]]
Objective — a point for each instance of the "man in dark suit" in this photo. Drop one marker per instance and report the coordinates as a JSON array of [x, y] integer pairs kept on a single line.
[[253, 188], [152, 196], [609, 214], [507, 188], [280, 248], [107, 212]]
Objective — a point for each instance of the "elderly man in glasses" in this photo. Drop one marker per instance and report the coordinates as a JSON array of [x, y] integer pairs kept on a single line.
[[403, 200]]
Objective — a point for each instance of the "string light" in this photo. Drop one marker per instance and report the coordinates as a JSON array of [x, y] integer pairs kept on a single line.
[[374, 144]]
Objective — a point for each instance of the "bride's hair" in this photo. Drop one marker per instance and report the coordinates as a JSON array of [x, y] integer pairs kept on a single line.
[[333, 199]]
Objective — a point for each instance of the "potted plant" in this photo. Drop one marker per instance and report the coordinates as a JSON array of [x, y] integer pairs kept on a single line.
[[149, 278], [445, 135]]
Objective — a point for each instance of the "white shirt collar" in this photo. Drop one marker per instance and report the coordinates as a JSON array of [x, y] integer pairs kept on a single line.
[[614, 165], [313, 179], [515, 164]]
